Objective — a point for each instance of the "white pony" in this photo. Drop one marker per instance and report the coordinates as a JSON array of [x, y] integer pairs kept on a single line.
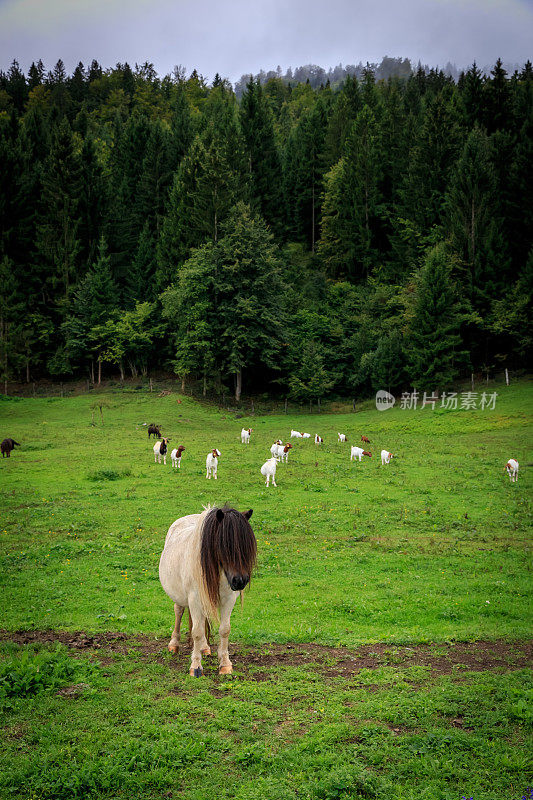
[[207, 561]]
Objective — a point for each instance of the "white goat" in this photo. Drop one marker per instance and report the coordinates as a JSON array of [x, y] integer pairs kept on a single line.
[[386, 456], [211, 464], [268, 470], [281, 451], [358, 452], [342, 437], [160, 449], [296, 435], [245, 435], [306, 435], [512, 469], [175, 456]]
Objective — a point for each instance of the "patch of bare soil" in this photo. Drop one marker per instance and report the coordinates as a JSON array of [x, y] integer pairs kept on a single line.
[[442, 658]]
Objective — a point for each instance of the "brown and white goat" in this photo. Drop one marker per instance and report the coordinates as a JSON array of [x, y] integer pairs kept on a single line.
[[211, 464], [160, 449], [175, 456]]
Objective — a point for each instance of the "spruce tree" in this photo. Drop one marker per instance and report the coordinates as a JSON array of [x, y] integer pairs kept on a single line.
[[58, 243], [436, 352], [248, 293], [350, 222], [264, 162], [472, 220]]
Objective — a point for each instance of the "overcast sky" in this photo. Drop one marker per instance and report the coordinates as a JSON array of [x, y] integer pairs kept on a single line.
[[244, 36]]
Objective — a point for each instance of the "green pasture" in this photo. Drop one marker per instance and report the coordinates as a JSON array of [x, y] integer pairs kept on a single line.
[[434, 547]]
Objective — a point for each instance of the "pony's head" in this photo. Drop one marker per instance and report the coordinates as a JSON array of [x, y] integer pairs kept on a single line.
[[229, 546]]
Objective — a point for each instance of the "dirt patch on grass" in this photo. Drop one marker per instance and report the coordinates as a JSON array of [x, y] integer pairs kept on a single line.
[[442, 659]]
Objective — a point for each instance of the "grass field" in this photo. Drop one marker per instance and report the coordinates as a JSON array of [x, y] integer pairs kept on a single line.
[[351, 679]]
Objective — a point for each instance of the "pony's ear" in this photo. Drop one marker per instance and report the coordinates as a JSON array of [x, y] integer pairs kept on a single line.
[[220, 515], [248, 513]]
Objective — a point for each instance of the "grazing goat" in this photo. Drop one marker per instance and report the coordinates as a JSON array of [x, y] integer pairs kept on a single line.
[[318, 439], [155, 430], [296, 435], [342, 437], [306, 435], [160, 449], [245, 435], [211, 464], [365, 439], [268, 470], [281, 451], [511, 467], [7, 446], [358, 452], [175, 456], [386, 456]]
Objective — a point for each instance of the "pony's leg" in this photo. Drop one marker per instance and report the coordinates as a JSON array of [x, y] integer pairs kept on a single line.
[[225, 665], [198, 642], [173, 645], [204, 645]]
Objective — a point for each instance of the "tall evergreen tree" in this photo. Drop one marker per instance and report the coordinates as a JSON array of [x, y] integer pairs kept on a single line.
[[304, 175], [351, 221], [432, 159], [472, 220], [58, 224], [345, 108], [264, 162], [436, 353]]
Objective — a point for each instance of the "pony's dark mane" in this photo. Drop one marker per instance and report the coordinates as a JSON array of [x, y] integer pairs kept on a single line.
[[227, 543]]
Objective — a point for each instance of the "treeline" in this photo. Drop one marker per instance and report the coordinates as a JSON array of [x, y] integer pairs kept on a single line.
[[301, 240], [316, 76]]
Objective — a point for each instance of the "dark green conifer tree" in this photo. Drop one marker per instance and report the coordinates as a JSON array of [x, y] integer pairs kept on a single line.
[[58, 244], [436, 352], [264, 162]]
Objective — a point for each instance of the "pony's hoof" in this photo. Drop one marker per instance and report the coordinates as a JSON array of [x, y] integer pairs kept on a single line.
[[225, 670], [206, 652], [173, 648], [196, 673]]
